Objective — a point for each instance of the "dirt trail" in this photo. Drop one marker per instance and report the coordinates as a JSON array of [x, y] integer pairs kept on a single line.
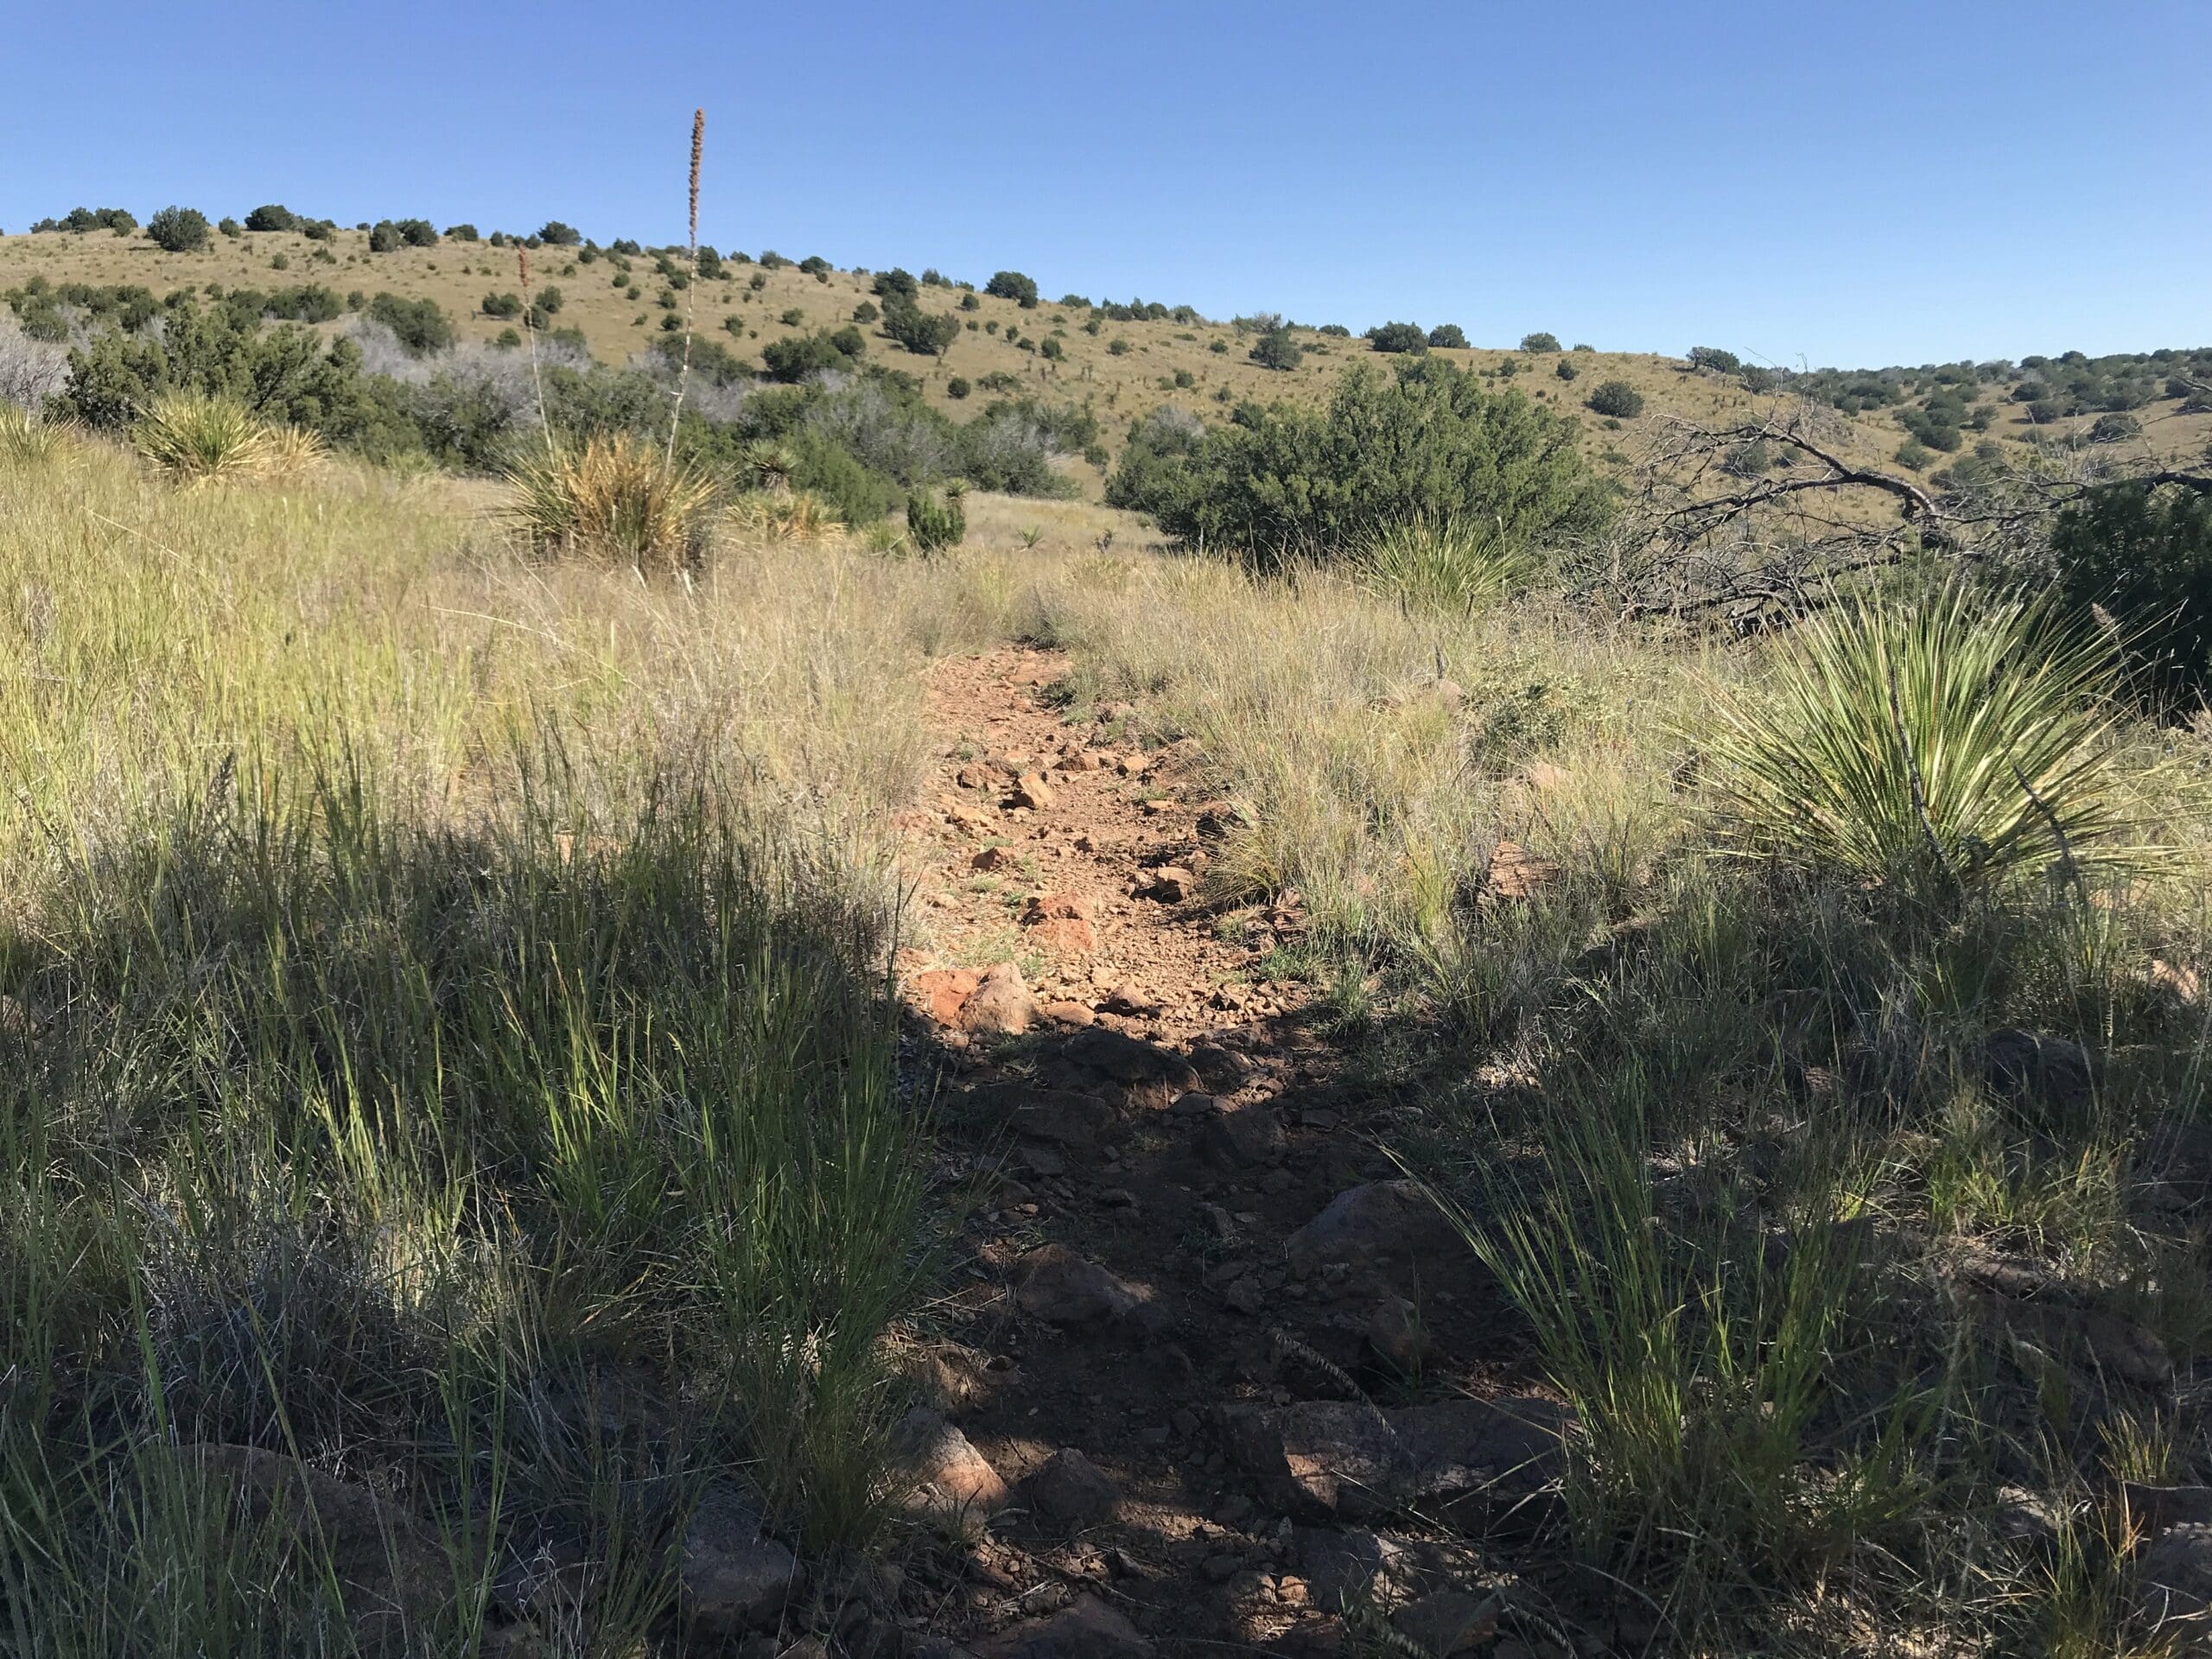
[[1211, 1372]]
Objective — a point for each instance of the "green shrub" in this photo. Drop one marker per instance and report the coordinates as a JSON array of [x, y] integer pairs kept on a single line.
[[272, 216], [792, 317], [1117, 347], [1540, 342], [1714, 358], [1275, 349], [178, 230], [463, 231], [280, 261], [384, 238], [230, 227], [1914, 455], [1053, 349], [1429, 440], [1566, 369], [892, 284], [554, 234], [1935, 744], [936, 522], [1012, 285], [794, 357], [866, 312], [2143, 556], [1447, 336], [956, 388], [1398, 337], [2115, 428], [1445, 567], [420, 326], [926, 333], [1617, 398], [502, 305]]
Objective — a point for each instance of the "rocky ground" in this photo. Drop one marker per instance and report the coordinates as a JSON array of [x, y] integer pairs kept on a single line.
[[1213, 1377]]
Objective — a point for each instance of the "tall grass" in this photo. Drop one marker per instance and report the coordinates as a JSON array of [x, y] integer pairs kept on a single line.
[[614, 499], [1445, 567], [199, 440]]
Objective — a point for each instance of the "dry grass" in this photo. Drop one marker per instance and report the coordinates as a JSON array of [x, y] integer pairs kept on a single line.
[[617, 499]]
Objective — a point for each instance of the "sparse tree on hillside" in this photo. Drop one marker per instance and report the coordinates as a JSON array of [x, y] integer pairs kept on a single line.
[[1403, 337], [1541, 340], [1012, 285], [1617, 398], [178, 230], [1275, 349], [272, 216], [554, 234], [1449, 336]]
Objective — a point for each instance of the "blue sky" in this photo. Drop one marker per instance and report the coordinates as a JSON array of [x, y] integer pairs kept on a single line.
[[1845, 184]]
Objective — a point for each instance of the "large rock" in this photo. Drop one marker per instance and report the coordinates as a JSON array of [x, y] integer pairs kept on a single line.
[[1088, 1630], [1069, 1491], [1125, 1058], [1063, 1289], [1000, 1005], [942, 992], [2171, 1172], [1445, 1622], [1338, 1458], [2047, 1071], [394, 1578], [733, 1580], [954, 1482], [2173, 1594], [1365, 1224]]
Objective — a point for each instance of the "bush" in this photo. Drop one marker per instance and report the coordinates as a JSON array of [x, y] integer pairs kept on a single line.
[[2116, 427], [1714, 358], [892, 284], [554, 234], [1617, 398], [1401, 337], [792, 317], [1934, 745], [1012, 285], [463, 231], [1447, 336], [1445, 567], [502, 305], [616, 499], [178, 230], [866, 312], [420, 326], [384, 238], [198, 440], [2145, 556], [1914, 455], [1429, 440], [956, 388], [923, 333], [1275, 349], [793, 359], [311, 303], [936, 522], [272, 216], [1565, 369], [1540, 342]]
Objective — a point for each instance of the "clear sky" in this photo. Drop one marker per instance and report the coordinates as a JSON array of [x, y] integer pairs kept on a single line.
[[1802, 182]]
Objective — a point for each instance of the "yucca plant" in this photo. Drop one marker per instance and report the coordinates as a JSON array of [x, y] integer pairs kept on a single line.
[[785, 516], [1443, 566], [1952, 740], [936, 522], [294, 451], [616, 499], [199, 439], [27, 441]]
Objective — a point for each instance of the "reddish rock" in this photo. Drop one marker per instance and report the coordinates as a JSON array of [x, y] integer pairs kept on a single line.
[[1000, 1005], [1063, 1289], [1030, 790], [943, 991], [994, 858]]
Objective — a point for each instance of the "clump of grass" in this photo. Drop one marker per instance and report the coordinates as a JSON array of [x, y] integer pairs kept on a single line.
[[784, 515], [201, 440], [1442, 566], [26, 441], [613, 498], [293, 452], [1946, 743]]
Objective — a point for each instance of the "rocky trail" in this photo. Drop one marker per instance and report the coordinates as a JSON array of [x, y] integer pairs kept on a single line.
[[1212, 1376]]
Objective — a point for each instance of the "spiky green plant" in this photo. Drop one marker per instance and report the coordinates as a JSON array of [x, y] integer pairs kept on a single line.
[[199, 440], [616, 499], [1442, 565], [936, 522], [1951, 740], [27, 441]]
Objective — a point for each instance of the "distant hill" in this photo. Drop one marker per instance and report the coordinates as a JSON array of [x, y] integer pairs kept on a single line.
[[1125, 358]]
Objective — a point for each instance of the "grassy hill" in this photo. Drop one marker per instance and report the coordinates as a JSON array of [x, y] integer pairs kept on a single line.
[[1067, 351]]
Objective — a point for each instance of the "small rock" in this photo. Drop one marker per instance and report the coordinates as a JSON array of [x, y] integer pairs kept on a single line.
[[1135, 764], [1327, 1457], [1516, 873], [1130, 999], [1394, 1332], [1001, 1004], [993, 858], [2154, 1509], [2180, 981], [1087, 1630], [1367, 1224], [1030, 790], [955, 1483], [733, 1580], [1159, 808], [1076, 1121], [1123, 1058], [1171, 884], [1112, 714], [1445, 1622], [1082, 760], [1069, 1491], [1057, 907], [1219, 1569], [2171, 1172], [1352, 1567], [1217, 820], [1246, 1295], [2119, 1348], [976, 775], [1191, 1103], [1063, 1289], [1223, 1070], [1073, 1014], [1244, 1138]]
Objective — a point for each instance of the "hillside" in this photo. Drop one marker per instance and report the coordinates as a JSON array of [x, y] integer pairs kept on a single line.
[[1122, 368]]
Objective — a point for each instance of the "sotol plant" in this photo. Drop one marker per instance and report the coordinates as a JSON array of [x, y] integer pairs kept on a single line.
[[616, 499], [937, 522], [1444, 565], [1950, 741], [198, 440]]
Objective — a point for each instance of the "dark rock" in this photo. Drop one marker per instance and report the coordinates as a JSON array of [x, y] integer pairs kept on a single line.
[[1241, 1138], [1445, 1622], [1222, 1069], [2173, 1577], [2171, 1172], [2155, 1508], [1088, 1630], [1171, 884], [1325, 1457], [2116, 1347], [1063, 1289], [1368, 1223], [1394, 1332], [1353, 1567], [732, 1579], [1070, 1491], [2047, 1071], [1125, 1058]]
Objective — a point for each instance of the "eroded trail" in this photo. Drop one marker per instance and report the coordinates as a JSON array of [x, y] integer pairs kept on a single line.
[[1212, 1373]]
